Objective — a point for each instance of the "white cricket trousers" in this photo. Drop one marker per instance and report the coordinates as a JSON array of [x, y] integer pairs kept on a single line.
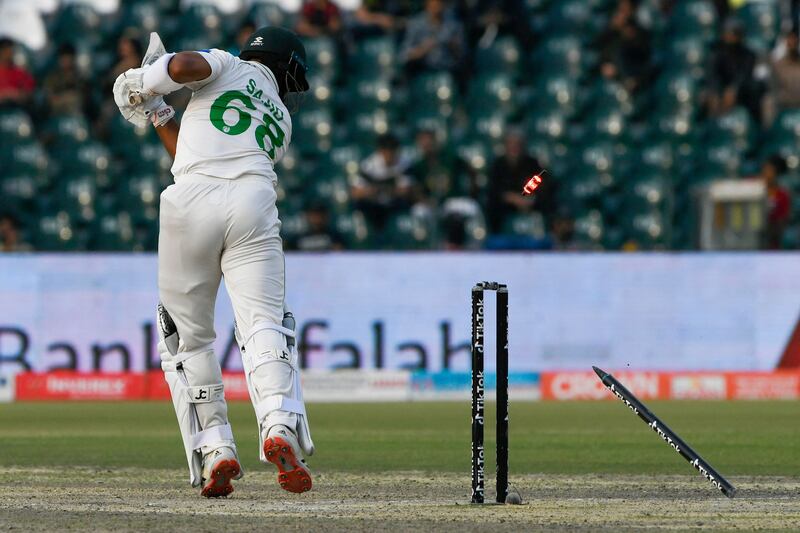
[[212, 228]]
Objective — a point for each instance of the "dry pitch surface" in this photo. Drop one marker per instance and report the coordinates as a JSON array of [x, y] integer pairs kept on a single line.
[[158, 500], [580, 467]]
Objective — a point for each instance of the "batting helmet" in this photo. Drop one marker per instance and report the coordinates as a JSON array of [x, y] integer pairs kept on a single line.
[[282, 51]]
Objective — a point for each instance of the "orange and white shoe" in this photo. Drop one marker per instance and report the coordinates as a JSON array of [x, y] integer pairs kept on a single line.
[[282, 449], [219, 468]]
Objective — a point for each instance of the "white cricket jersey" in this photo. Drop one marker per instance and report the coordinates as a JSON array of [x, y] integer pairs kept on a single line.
[[235, 124]]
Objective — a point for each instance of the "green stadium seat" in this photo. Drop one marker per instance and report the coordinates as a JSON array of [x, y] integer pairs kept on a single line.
[[556, 92], [613, 237], [583, 190], [492, 93], [295, 171], [525, 224], [26, 157], [558, 55], [735, 126], [537, 6], [656, 154], [345, 159], [676, 89], [374, 56], [354, 229], [603, 156], [90, 157], [686, 52], [333, 189], [293, 225], [611, 95], [18, 189], [113, 232], [374, 93], [140, 194], [142, 14], [409, 232], [364, 127], [67, 130], [76, 196], [15, 127], [607, 122], [147, 157], [570, 16], [489, 125], [589, 229], [475, 155], [79, 19], [270, 14], [649, 191], [762, 20], [649, 230], [548, 126], [676, 124], [694, 17], [786, 125], [56, 232], [320, 95], [721, 157], [125, 139], [312, 130], [502, 56], [435, 93], [200, 26], [322, 57]]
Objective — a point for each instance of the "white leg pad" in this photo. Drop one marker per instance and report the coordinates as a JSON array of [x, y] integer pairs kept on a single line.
[[270, 365], [185, 397]]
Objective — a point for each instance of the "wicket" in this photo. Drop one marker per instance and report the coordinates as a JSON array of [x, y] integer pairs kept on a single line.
[[479, 390], [669, 436]]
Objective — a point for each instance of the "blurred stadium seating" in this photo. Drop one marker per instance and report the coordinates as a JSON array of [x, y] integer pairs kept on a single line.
[[625, 161]]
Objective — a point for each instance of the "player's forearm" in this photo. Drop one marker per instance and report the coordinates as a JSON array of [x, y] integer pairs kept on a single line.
[[168, 135]]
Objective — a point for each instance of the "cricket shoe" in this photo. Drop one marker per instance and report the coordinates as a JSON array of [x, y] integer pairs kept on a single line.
[[219, 468], [282, 449]]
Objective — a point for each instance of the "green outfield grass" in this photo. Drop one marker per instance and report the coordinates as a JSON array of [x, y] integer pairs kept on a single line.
[[739, 438]]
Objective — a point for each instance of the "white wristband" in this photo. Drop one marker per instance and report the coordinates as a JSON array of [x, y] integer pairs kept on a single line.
[[156, 78]]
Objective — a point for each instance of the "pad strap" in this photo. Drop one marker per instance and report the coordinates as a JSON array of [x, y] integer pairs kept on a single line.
[[279, 402], [261, 326], [212, 436], [175, 360], [206, 393]]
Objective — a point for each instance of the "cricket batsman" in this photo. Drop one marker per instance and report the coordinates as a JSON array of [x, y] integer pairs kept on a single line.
[[219, 219]]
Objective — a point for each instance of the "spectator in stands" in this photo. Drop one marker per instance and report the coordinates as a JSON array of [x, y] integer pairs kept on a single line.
[[65, 87], [129, 55], [456, 215], [319, 17], [785, 79], [320, 235], [434, 41], [625, 48], [245, 30], [383, 187], [433, 169], [10, 240], [486, 19], [378, 17], [731, 78], [507, 176], [779, 201], [16, 84]]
